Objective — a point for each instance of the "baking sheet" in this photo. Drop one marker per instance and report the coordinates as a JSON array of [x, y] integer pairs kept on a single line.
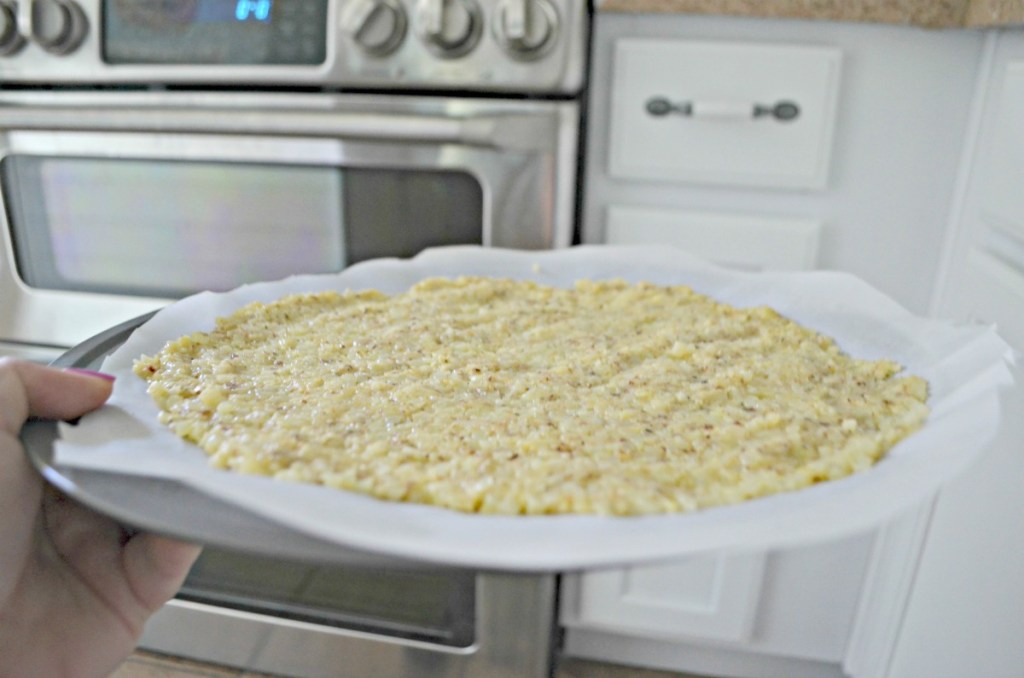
[[966, 366]]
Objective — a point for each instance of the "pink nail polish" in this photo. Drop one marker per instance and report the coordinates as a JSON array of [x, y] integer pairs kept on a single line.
[[91, 373]]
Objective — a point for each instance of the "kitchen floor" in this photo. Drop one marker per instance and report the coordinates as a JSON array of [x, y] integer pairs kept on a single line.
[[148, 665]]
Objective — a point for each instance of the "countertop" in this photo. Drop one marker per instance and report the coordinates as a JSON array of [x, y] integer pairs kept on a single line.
[[923, 13]]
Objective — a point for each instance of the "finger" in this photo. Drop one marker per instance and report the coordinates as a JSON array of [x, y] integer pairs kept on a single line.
[[156, 567], [20, 491], [27, 388]]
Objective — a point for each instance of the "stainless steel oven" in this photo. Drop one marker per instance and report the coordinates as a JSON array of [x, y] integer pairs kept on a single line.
[[117, 201], [150, 149]]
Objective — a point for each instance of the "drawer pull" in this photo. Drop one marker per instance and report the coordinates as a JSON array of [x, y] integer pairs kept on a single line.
[[783, 111]]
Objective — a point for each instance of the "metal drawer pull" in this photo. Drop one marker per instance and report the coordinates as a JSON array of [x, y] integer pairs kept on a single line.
[[783, 111]]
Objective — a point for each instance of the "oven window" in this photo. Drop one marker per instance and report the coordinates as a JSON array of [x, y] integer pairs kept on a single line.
[[431, 606], [171, 228]]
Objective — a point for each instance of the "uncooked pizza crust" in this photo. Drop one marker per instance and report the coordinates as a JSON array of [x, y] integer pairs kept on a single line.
[[500, 396]]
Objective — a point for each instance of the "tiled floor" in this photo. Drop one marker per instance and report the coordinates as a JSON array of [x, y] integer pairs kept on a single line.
[[145, 665]]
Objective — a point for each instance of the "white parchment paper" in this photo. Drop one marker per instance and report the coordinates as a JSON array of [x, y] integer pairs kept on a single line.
[[967, 367]]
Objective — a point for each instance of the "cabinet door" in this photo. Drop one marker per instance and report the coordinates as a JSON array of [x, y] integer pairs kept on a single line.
[[966, 612], [985, 273], [713, 596]]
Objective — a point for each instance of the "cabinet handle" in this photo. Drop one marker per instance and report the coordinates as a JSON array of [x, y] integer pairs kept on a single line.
[[783, 111]]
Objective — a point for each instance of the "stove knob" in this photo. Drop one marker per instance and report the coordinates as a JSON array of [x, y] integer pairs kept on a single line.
[[10, 39], [451, 28], [377, 26], [526, 29], [58, 26]]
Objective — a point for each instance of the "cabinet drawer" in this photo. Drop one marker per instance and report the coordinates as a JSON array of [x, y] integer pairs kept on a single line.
[[752, 242], [723, 113]]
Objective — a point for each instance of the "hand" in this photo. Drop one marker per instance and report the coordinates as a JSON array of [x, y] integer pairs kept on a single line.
[[75, 589]]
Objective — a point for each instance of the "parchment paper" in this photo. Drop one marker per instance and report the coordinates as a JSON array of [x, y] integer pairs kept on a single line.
[[966, 367]]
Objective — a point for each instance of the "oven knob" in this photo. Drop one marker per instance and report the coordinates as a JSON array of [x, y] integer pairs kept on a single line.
[[58, 26], [10, 39], [526, 29], [377, 26], [450, 28]]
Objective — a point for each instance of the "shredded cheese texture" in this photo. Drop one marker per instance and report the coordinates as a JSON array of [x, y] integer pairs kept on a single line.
[[500, 396]]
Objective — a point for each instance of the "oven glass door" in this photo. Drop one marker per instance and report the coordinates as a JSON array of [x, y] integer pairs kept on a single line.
[[432, 606], [168, 228]]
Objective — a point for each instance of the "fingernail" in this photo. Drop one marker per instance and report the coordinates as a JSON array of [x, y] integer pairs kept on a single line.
[[92, 373]]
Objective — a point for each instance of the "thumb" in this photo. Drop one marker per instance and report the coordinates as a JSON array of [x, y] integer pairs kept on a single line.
[[155, 568]]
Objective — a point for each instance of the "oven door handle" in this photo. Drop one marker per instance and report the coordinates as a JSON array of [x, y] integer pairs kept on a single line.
[[511, 131]]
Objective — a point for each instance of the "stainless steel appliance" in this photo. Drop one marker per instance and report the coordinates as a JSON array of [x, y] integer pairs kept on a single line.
[[153, 148]]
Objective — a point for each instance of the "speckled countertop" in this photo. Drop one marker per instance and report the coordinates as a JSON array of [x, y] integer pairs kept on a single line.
[[925, 13]]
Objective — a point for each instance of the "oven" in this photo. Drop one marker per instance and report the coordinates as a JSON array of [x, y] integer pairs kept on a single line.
[[151, 149], [115, 202]]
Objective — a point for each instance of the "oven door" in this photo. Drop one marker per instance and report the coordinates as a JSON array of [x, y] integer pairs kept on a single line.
[[115, 202]]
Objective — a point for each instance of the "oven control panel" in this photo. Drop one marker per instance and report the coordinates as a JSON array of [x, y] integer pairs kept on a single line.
[[488, 45]]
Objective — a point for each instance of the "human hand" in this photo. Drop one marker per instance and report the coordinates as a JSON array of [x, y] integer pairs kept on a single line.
[[75, 589]]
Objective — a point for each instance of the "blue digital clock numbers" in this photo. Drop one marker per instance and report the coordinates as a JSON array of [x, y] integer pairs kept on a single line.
[[253, 10]]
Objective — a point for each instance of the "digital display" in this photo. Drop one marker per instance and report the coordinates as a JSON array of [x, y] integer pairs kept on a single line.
[[208, 11], [230, 32], [247, 9]]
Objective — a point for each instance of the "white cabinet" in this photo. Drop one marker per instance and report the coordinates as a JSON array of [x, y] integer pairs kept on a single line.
[[704, 113], [965, 614], [787, 612], [706, 596], [876, 169], [1002, 199], [984, 274], [718, 112], [824, 610], [749, 242], [866, 186]]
